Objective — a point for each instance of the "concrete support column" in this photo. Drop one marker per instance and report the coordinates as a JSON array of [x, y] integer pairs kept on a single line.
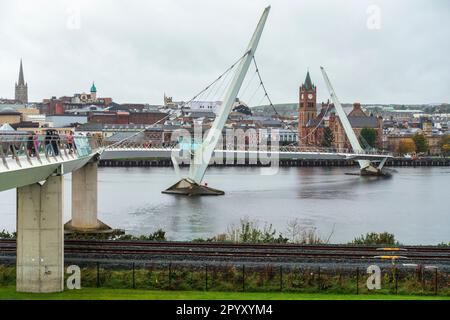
[[84, 197], [84, 201], [40, 237]]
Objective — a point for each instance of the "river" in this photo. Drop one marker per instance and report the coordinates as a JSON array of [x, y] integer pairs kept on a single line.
[[413, 204]]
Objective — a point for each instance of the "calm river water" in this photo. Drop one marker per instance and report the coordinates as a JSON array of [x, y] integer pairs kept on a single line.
[[413, 204]]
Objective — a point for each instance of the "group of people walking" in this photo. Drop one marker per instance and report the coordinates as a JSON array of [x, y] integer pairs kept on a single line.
[[52, 143]]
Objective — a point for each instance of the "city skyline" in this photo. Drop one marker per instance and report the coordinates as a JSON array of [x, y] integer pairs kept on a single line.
[[78, 49]]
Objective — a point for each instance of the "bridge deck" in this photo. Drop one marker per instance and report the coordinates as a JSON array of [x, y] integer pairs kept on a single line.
[[19, 168], [219, 155]]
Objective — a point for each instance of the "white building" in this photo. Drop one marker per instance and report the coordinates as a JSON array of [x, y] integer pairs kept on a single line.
[[204, 105]]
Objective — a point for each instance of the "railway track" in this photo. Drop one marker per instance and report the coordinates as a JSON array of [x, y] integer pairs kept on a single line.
[[189, 250]]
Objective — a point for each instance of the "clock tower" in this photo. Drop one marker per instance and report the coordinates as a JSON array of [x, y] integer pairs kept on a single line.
[[307, 106]]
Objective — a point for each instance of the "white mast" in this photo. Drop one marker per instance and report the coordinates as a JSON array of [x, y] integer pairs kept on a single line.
[[203, 153], [354, 142]]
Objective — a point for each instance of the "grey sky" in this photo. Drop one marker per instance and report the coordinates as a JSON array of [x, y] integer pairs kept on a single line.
[[137, 50]]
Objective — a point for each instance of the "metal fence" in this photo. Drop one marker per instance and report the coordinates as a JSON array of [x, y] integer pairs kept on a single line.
[[255, 278], [267, 278]]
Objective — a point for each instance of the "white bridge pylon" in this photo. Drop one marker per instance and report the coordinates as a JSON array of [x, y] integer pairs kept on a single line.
[[366, 166], [202, 155]]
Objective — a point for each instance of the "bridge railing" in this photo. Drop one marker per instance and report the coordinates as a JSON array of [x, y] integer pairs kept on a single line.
[[138, 145], [333, 150], [39, 147], [171, 145]]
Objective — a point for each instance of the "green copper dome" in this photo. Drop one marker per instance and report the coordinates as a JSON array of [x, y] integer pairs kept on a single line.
[[93, 88]]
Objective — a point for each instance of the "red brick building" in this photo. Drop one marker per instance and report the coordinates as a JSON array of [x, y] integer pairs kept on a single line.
[[146, 117], [123, 117], [118, 117], [307, 106], [358, 120], [52, 106], [311, 123]]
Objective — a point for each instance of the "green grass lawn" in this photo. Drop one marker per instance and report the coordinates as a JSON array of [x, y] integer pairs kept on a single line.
[[9, 293]]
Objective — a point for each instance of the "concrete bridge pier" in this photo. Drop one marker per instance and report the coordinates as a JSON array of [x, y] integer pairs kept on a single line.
[[84, 202], [40, 237]]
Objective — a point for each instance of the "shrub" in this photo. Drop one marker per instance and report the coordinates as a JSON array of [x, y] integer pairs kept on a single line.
[[6, 235], [376, 238], [248, 231]]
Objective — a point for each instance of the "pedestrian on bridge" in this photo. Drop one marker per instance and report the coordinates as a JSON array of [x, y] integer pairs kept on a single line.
[[30, 145], [48, 143], [36, 142], [55, 142], [70, 144]]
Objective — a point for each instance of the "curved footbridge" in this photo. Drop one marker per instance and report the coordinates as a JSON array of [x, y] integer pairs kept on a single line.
[[221, 156], [36, 169]]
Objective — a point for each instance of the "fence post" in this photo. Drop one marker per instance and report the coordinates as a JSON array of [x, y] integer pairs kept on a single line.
[[170, 275], [243, 277], [318, 278], [357, 280], [134, 277], [206, 278], [281, 278], [396, 280], [435, 282], [422, 279], [98, 275]]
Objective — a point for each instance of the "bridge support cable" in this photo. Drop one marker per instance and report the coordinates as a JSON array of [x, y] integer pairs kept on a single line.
[[179, 113], [266, 95], [191, 185], [246, 86]]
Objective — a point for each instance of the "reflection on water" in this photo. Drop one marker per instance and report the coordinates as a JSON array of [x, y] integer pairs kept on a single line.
[[326, 183], [412, 204]]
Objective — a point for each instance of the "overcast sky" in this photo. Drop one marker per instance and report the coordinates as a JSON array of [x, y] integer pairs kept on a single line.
[[374, 51]]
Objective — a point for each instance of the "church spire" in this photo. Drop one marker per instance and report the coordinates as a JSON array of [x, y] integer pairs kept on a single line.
[[21, 77], [21, 89], [308, 83]]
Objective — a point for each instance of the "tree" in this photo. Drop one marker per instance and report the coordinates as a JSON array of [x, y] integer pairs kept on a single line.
[[303, 234], [368, 136], [421, 142], [328, 138], [444, 144], [406, 145]]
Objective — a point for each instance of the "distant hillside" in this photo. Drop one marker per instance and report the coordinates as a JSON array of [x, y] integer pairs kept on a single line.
[[291, 109], [285, 109]]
